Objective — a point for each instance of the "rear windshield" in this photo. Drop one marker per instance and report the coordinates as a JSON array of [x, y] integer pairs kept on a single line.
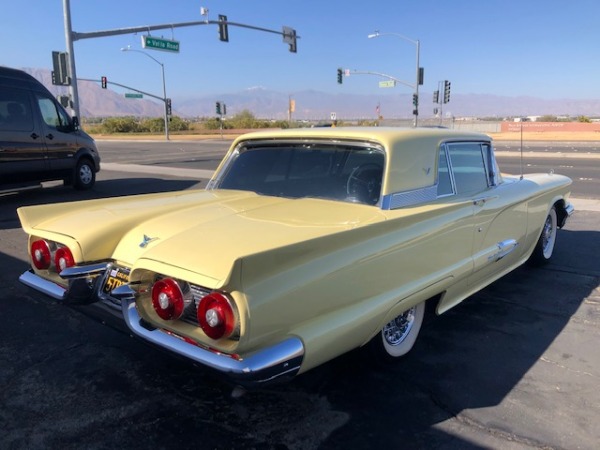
[[348, 173]]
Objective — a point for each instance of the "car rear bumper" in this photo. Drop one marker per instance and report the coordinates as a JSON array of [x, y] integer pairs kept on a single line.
[[278, 362], [275, 363]]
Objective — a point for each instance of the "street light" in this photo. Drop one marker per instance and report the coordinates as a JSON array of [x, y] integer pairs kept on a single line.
[[162, 68], [418, 69]]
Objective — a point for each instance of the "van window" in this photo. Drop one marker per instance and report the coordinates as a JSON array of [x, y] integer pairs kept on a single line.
[[53, 116], [15, 110]]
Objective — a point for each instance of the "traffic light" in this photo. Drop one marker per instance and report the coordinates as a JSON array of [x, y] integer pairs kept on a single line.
[[168, 107], [223, 31], [415, 100], [224, 109], [421, 76], [436, 96], [289, 37], [218, 108], [446, 91], [340, 76], [103, 82]]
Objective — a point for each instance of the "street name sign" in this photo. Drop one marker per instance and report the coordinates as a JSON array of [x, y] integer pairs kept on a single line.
[[155, 43], [387, 84], [133, 95]]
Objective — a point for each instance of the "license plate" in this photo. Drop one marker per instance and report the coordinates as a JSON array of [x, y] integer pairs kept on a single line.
[[117, 276]]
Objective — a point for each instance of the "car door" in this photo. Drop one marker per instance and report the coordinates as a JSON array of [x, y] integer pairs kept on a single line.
[[500, 215], [22, 148], [59, 136]]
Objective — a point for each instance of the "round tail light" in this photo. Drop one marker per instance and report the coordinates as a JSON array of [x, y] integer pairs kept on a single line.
[[167, 299], [215, 316], [63, 258], [40, 254]]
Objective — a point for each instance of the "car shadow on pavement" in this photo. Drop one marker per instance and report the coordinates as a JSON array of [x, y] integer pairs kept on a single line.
[[69, 380]]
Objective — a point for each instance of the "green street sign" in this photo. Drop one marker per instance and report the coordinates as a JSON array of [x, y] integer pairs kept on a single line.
[[131, 95], [155, 43], [386, 84]]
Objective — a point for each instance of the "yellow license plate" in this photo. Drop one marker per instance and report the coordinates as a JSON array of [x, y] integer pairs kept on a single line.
[[116, 277]]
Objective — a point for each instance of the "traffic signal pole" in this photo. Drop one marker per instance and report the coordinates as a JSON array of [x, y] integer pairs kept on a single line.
[[289, 37]]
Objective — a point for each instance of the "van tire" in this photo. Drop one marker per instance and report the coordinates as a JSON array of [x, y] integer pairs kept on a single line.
[[85, 174]]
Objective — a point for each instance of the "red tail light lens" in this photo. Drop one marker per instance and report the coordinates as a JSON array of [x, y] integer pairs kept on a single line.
[[215, 316], [167, 299], [63, 258], [40, 254]]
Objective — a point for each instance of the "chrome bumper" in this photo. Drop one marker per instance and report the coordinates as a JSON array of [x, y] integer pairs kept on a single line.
[[568, 211], [281, 361], [278, 362]]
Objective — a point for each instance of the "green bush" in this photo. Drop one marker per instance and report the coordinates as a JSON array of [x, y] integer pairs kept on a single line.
[[120, 125]]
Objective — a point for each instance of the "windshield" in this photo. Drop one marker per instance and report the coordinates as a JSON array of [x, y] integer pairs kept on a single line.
[[349, 173]]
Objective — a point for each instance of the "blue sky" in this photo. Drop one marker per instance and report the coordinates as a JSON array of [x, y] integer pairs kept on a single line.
[[540, 48]]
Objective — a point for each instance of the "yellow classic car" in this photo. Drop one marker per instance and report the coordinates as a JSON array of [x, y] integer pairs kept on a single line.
[[305, 244]]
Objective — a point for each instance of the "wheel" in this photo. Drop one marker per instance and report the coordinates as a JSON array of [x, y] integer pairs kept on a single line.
[[85, 176], [364, 183], [398, 336], [545, 244]]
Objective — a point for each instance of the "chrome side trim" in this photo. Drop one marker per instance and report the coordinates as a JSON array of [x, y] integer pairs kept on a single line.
[[409, 198], [504, 248], [282, 360], [29, 278]]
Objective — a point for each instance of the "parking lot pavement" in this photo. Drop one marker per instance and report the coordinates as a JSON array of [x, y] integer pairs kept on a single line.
[[515, 366]]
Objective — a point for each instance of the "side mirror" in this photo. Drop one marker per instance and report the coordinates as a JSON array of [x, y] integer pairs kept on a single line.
[[75, 121]]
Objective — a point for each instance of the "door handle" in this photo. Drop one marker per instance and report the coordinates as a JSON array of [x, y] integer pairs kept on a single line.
[[483, 200], [34, 135], [50, 136]]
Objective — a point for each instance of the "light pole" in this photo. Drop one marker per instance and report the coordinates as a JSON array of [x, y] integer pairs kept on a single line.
[[418, 75], [162, 69]]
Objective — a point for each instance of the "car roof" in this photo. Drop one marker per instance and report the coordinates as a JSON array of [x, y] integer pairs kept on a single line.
[[411, 153]]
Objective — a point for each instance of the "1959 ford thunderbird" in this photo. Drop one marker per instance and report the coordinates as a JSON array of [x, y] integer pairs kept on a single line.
[[305, 244]]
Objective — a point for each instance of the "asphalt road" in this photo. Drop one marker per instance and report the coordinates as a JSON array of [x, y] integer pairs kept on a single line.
[[515, 366]]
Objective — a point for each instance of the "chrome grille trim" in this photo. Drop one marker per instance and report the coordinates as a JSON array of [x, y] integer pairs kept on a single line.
[[190, 313]]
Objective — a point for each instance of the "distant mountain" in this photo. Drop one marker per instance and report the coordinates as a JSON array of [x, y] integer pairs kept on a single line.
[[315, 105], [97, 102]]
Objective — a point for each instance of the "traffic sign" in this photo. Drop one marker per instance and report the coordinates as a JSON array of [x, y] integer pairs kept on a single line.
[[155, 43], [132, 95], [387, 84]]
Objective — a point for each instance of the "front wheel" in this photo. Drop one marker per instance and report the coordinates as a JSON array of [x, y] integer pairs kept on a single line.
[[545, 245], [399, 335], [85, 175]]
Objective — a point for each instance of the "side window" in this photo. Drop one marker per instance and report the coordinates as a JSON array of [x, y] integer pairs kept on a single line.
[[468, 166], [444, 180], [53, 116], [15, 110]]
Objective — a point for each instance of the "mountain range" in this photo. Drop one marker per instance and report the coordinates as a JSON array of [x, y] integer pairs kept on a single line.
[[315, 105]]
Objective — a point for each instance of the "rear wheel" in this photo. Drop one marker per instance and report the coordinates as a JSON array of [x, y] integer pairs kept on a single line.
[[399, 335], [85, 175], [545, 245]]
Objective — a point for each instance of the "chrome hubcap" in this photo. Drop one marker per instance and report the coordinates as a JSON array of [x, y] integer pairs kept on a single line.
[[548, 235], [396, 331]]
